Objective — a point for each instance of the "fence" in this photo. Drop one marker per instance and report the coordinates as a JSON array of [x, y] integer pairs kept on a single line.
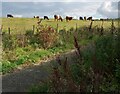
[[11, 40]]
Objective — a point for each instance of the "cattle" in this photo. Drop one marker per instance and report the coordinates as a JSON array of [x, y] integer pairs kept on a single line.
[[89, 18], [9, 16], [84, 17], [68, 18], [36, 16], [57, 17], [104, 19], [46, 17], [80, 18]]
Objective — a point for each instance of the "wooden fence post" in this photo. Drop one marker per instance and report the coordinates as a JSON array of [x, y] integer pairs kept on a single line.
[[112, 27], [1, 26], [57, 28], [101, 31], [76, 27], [90, 27], [9, 30], [33, 28], [23, 39]]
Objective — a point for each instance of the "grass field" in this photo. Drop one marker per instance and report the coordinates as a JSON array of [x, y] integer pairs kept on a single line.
[[20, 25], [94, 68], [18, 51]]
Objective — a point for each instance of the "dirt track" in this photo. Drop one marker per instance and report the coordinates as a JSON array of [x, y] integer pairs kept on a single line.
[[22, 80]]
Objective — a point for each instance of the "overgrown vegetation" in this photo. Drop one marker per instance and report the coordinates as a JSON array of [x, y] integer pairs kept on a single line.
[[96, 68], [32, 46]]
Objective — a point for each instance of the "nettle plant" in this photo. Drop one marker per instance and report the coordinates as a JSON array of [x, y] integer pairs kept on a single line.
[[47, 36]]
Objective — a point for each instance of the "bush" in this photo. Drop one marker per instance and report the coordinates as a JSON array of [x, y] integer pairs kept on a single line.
[[7, 66], [47, 36], [99, 70], [8, 42]]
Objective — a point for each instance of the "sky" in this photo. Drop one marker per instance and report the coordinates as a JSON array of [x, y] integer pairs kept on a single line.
[[29, 8]]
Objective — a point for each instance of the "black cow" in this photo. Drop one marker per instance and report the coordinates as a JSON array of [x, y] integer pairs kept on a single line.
[[46, 17], [9, 16], [104, 19], [80, 18], [84, 17], [57, 17], [68, 18], [36, 17], [89, 18]]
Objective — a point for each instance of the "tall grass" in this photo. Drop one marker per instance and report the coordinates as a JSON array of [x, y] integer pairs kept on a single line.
[[97, 72], [48, 38], [96, 68]]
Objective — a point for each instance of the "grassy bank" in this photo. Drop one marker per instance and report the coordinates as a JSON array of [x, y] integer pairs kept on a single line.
[[94, 69], [46, 42]]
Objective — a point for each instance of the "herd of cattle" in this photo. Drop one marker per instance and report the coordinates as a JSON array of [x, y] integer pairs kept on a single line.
[[59, 18]]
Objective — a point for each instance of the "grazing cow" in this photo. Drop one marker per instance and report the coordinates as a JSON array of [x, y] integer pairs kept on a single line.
[[9, 16], [36, 16], [57, 17], [80, 18], [68, 18], [89, 18], [46, 17], [84, 17], [104, 19], [101, 19]]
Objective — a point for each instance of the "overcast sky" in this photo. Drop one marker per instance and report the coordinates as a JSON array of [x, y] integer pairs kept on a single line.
[[106, 9]]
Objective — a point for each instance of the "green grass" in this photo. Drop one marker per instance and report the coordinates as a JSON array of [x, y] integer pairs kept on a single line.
[[106, 49], [99, 60], [20, 25], [30, 54], [19, 56]]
